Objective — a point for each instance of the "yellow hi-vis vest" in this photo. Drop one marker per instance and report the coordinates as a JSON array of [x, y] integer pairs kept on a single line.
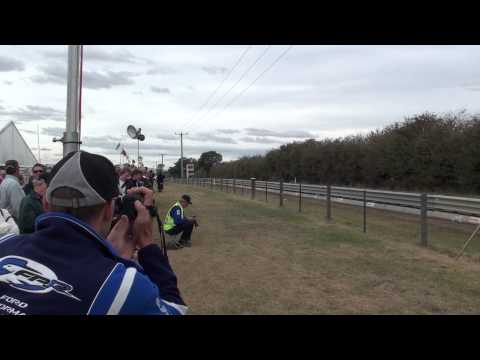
[[169, 221]]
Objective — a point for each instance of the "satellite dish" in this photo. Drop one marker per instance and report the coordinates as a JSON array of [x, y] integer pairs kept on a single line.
[[141, 137], [132, 132]]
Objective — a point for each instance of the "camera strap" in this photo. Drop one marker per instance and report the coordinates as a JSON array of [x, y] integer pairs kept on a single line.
[[162, 234]]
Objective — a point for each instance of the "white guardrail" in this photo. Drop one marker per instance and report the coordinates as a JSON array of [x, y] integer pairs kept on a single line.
[[465, 206]]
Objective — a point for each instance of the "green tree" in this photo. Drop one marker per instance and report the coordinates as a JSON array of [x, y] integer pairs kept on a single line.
[[208, 160]]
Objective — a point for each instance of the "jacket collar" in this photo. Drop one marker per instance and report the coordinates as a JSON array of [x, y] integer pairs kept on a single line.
[[60, 217], [13, 177], [57, 218]]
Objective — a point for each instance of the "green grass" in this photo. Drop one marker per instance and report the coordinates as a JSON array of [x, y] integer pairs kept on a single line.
[[252, 257]]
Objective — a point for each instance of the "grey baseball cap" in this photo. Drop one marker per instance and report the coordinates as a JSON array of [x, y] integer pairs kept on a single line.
[[92, 177]]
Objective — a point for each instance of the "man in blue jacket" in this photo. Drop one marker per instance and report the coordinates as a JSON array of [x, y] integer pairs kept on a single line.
[[176, 222], [74, 264]]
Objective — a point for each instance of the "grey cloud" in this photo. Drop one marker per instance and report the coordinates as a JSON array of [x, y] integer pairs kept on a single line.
[[165, 137], [53, 74], [259, 140], [57, 74], [106, 145], [28, 131], [101, 141], [41, 149], [163, 70], [213, 70], [34, 113], [228, 131], [8, 82], [94, 53], [279, 134], [10, 64], [96, 80], [137, 93], [53, 131], [205, 136], [160, 90], [119, 56]]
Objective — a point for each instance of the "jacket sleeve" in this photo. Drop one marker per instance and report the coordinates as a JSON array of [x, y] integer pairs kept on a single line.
[[26, 217], [128, 292], [158, 269], [176, 214], [16, 197]]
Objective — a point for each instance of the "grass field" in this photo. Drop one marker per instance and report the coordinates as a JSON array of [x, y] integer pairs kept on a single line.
[[251, 257]]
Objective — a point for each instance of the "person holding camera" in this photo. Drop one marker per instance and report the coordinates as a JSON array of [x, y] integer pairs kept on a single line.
[[176, 222], [75, 262]]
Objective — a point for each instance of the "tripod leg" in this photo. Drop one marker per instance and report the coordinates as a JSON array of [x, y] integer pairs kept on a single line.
[[468, 241]]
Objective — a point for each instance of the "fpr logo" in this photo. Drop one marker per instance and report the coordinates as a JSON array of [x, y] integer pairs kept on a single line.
[[30, 276]]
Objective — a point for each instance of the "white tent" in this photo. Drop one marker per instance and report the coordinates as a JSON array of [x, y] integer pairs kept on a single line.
[[14, 147]]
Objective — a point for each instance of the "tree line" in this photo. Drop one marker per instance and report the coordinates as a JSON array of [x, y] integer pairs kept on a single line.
[[424, 152]]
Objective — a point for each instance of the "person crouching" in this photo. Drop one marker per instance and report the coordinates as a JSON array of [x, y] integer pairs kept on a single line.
[[176, 222]]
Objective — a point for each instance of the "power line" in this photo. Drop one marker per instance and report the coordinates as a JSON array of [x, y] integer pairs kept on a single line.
[[219, 85], [251, 84], [238, 81]]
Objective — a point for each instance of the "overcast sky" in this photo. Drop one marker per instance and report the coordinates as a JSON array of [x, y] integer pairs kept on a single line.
[[309, 92]]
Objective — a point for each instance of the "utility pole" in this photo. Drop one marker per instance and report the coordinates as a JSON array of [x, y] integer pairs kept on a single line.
[[38, 144], [71, 136], [162, 157], [181, 153]]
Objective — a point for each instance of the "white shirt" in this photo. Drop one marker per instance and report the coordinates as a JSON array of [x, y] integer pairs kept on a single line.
[[121, 189], [11, 195]]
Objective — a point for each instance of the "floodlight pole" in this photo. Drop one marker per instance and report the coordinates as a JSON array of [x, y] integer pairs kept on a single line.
[[138, 151], [71, 136]]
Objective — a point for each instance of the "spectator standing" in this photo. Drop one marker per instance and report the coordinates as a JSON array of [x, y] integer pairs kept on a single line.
[[160, 181], [123, 180], [2, 173], [31, 205], [37, 170], [11, 193]]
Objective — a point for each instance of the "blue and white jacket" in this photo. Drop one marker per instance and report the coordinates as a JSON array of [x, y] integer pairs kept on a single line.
[[66, 267]]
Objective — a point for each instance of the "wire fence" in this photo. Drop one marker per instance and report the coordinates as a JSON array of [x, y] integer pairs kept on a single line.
[[421, 205]]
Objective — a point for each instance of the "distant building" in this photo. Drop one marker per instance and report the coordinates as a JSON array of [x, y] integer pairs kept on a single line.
[[14, 147]]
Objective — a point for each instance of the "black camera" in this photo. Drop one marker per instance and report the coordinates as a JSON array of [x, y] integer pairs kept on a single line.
[[126, 206]]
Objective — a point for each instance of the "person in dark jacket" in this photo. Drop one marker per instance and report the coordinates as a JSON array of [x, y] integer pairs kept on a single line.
[[37, 170], [76, 263], [31, 205]]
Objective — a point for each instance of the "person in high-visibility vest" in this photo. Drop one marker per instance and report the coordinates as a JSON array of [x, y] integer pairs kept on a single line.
[[176, 222]]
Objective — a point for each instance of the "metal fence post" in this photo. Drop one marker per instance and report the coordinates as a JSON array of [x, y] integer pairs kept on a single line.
[[328, 217], [299, 197], [234, 186], [423, 220], [281, 193], [266, 191], [252, 184], [364, 211]]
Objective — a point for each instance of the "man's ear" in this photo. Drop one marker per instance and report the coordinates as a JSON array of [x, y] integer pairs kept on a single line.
[[108, 210]]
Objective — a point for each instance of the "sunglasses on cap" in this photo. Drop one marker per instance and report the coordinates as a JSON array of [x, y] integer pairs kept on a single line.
[[37, 171]]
